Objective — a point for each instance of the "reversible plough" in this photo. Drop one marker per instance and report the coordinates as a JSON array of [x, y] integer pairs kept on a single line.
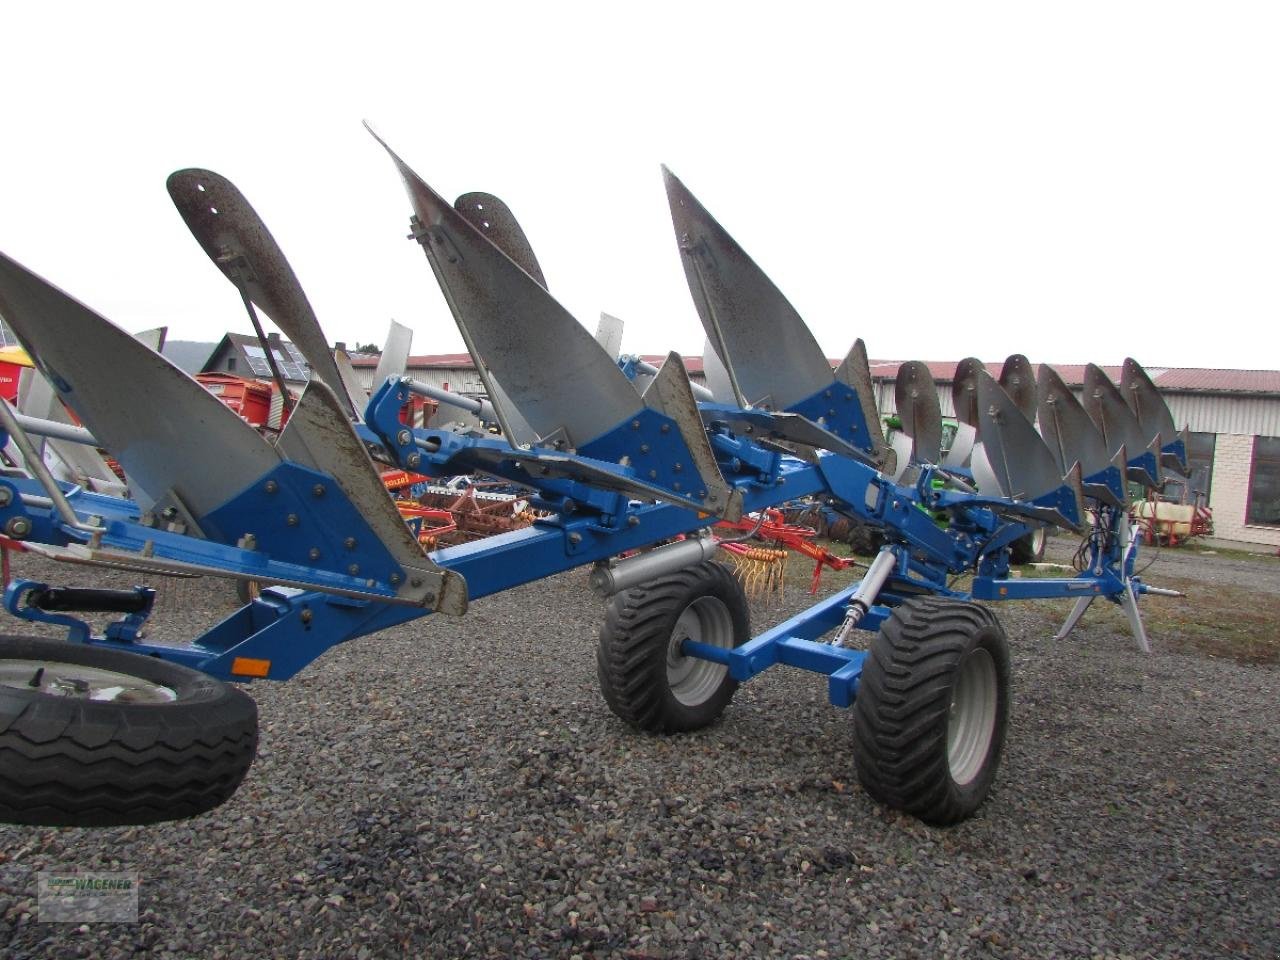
[[619, 456]]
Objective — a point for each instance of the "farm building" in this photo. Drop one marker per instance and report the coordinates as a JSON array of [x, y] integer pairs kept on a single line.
[[1233, 417]]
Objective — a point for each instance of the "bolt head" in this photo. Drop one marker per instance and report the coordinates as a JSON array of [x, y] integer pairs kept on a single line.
[[318, 490], [403, 438], [291, 519], [413, 460], [271, 486], [314, 553], [349, 543]]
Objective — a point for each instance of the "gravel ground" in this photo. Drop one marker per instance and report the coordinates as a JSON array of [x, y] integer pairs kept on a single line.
[[458, 788]]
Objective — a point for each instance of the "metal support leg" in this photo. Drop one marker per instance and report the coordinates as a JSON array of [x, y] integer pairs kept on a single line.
[[1082, 604], [1129, 600]]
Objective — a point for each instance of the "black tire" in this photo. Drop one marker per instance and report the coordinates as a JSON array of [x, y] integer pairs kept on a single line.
[[642, 683], [865, 540], [1029, 548], [910, 697], [67, 760]]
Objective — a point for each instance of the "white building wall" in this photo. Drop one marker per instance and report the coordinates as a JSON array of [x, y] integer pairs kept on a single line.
[[1232, 460]]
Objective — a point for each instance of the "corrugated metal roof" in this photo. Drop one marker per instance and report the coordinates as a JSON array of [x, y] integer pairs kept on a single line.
[[1179, 379], [1229, 381], [1191, 379]]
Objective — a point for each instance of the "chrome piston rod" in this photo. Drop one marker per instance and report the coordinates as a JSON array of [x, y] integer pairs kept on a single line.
[[865, 596], [608, 579], [482, 409]]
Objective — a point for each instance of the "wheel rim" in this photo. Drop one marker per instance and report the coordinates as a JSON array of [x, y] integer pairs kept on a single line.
[[86, 683], [972, 721], [693, 680], [1038, 538]]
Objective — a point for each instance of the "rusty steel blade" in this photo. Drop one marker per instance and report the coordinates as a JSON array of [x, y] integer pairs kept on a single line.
[[609, 334], [1106, 406], [179, 444], [351, 388], [671, 394], [768, 352], [1067, 428], [716, 375], [494, 219], [1073, 437], [916, 396], [319, 435], [1018, 378], [962, 442], [36, 398], [1021, 464], [554, 373], [1148, 406], [964, 390], [153, 338], [395, 354], [239, 244], [855, 372]]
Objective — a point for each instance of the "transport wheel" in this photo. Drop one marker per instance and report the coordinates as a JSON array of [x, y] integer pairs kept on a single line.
[[931, 709], [644, 677], [1030, 548], [96, 737]]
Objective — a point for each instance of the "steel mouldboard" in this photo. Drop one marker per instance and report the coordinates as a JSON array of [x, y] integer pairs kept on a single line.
[[547, 363], [173, 438], [767, 349], [494, 219], [916, 396], [1018, 379], [1022, 464], [241, 246]]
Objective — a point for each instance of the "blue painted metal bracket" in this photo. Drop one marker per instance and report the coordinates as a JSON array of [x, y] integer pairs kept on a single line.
[[794, 643]]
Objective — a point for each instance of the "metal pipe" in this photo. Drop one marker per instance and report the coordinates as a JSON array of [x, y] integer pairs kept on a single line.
[[607, 579], [56, 430], [699, 391], [483, 409], [35, 463], [862, 599], [238, 269]]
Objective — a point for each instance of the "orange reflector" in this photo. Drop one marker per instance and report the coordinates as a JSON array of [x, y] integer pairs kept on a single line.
[[249, 667], [1004, 591]]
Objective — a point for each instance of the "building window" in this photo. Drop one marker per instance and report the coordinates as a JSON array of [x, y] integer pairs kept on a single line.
[[1200, 450], [1264, 483], [231, 364]]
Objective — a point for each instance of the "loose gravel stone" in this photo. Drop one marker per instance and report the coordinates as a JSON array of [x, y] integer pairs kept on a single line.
[[457, 788]]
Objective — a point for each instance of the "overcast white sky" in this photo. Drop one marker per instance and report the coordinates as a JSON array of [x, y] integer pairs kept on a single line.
[[1076, 182]]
